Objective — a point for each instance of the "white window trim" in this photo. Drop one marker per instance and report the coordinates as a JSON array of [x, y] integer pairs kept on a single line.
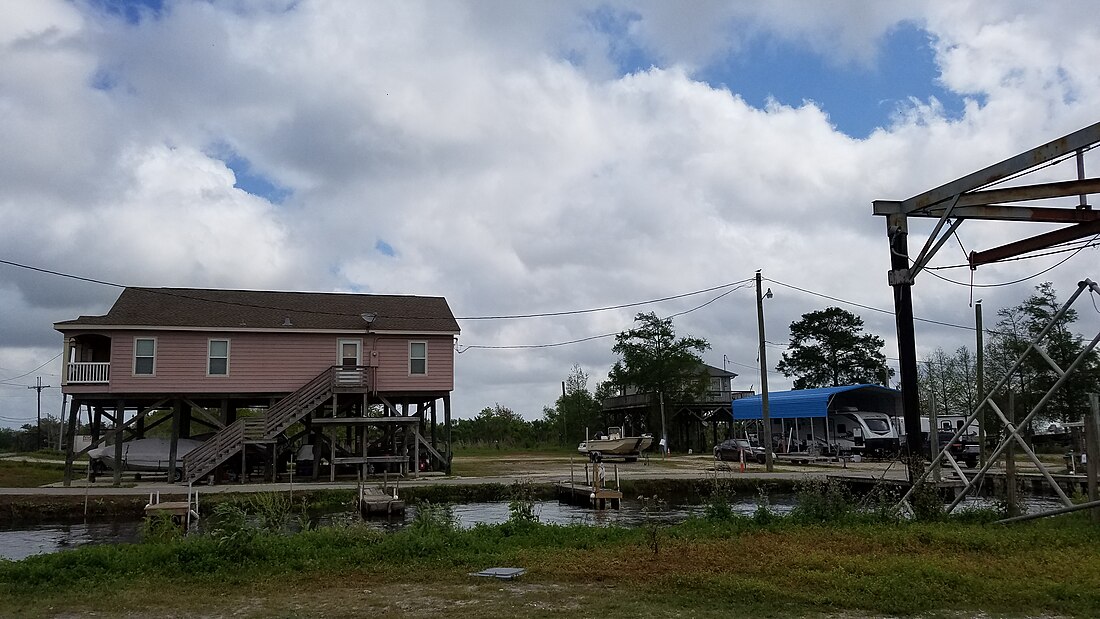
[[340, 350], [411, 344], [228, 348], [134, 358]]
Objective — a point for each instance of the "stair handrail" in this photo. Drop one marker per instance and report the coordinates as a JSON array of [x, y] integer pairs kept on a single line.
[[196, 462], [274, 421], [290, 406]]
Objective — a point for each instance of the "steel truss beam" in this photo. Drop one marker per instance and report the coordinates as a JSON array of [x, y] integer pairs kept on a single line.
[[963, 199], [1026, 160], [1012, 429]]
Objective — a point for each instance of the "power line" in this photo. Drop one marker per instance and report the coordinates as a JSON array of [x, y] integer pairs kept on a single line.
[[868, 307], [462, 349], [1071, 246], [1022, 279], [8, 380], [611, 307], [322, 312]]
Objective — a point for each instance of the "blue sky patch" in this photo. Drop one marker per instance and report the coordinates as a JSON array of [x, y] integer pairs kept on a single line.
[[385, 248], [103, 80], [248, 179], [857, 99], [133, 11], [624, 52]]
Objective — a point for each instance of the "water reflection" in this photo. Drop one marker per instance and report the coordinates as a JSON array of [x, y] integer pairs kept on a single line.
[[24, 541], [18, 543]]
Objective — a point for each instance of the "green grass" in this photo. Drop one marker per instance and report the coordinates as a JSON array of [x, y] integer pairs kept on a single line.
[[732, 566], [18, 474]]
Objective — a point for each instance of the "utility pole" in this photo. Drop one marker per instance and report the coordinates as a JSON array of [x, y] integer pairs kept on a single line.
[[562, 414], [38, 431], [764, 416]]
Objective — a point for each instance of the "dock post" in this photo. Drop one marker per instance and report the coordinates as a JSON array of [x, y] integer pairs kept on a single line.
[[1092, 451], [934, 437], [1010, 459]]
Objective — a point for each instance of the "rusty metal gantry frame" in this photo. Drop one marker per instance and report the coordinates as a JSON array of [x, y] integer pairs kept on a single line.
[[964, 198]]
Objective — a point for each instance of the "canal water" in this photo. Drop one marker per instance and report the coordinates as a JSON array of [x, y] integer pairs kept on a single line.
[[24, 540]]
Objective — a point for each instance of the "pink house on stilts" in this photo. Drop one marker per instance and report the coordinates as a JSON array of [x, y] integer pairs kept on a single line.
[[358, 377]]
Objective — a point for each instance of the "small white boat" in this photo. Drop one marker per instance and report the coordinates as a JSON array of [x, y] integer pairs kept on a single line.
[[143, 454], [615, 445]]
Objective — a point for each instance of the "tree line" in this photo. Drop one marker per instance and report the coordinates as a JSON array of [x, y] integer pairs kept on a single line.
[[827, 347], [948, 379]]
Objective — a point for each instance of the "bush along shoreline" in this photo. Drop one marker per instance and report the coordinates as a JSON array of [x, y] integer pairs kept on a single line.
[[831, 552]]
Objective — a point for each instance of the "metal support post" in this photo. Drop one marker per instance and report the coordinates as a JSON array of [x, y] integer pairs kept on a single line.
[[900, 280]]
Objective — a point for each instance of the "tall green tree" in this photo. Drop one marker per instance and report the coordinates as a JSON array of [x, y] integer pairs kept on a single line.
[[653, 360], [495, 426], [575, 410], [829, 348], [1016, 328], [949, 381]]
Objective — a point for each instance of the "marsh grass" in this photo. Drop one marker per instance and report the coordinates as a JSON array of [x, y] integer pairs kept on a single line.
[[19, 474], [782, 566]]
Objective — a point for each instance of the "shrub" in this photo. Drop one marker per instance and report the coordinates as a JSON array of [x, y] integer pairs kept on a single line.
[[823, 501]]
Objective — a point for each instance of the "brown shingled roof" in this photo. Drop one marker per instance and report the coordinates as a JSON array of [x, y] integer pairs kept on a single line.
[[196, 307]]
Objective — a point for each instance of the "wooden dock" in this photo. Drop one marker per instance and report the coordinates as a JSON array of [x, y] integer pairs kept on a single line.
[[593, 491], [590, 496], [801, 457], [181, 512], [375, 502]]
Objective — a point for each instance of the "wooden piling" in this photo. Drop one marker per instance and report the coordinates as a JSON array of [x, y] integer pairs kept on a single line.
[[1010, 459]]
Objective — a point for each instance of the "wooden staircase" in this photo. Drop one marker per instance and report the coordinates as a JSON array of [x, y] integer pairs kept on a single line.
[[267, 428]]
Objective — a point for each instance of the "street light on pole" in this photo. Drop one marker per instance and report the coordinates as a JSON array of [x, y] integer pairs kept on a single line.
[[764, 416]]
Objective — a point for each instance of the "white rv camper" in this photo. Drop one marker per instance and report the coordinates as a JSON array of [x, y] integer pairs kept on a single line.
[[845, 431], [863, 432]]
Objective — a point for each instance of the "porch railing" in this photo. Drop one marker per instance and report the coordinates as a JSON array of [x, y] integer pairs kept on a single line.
[[88, 372]]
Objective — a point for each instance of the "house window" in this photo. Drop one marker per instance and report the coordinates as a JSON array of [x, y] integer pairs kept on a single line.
[[145, 354], [418, 357], [218, 358], [348, 352]]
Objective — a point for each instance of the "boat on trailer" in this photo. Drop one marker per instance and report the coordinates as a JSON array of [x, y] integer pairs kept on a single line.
[[615, 445]]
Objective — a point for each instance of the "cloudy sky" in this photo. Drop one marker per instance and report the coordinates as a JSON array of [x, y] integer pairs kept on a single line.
[[520, 157]]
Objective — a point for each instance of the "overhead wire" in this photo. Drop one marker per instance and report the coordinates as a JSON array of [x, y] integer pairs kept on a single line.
[[170, 293], [733, 285], [610, 307], [1022, 279], [1064, 247], [8, 380], [462, 349]]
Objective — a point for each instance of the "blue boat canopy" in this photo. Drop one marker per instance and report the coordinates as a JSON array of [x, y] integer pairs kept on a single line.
[[803, 403]]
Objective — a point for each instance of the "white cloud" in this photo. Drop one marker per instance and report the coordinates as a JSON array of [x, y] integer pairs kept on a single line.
[[494, 147]]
